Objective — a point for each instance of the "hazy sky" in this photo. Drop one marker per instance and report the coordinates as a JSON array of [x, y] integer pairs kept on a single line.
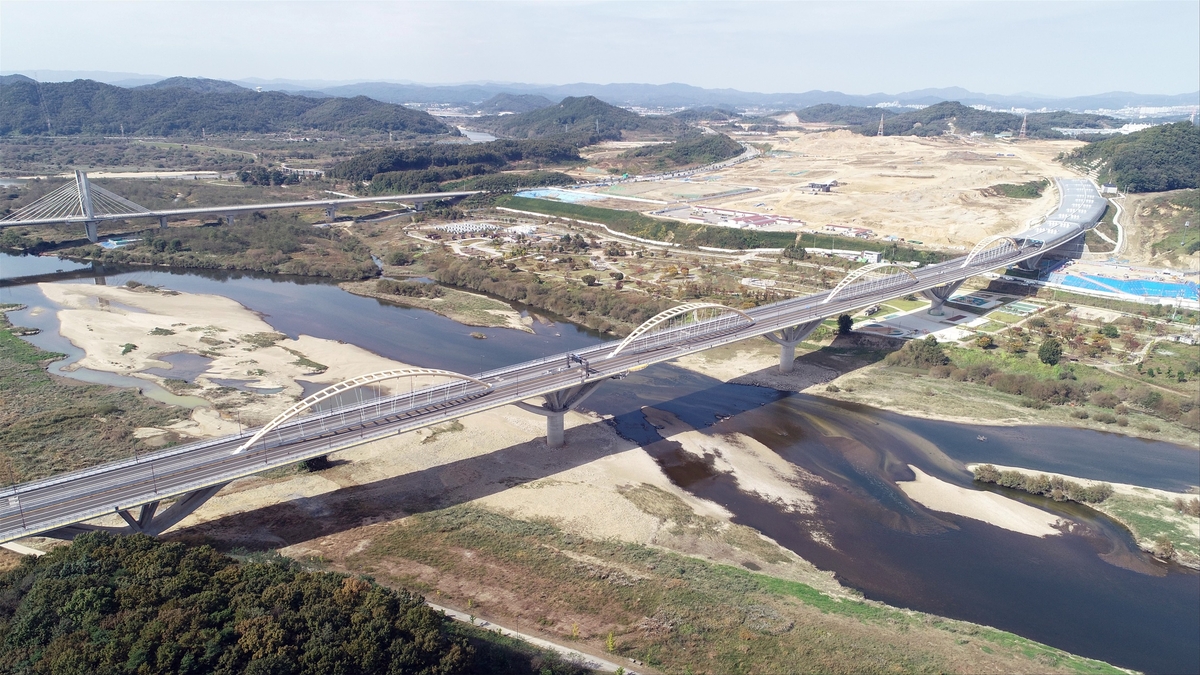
[[1054, 48]]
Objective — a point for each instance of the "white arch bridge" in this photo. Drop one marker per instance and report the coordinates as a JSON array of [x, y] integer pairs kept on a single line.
[[342, 416]]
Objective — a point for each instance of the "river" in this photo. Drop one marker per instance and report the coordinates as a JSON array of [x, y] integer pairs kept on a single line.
[[1089, 590]]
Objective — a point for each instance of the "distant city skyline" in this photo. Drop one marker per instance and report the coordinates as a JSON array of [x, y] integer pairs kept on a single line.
[[1053, 49]]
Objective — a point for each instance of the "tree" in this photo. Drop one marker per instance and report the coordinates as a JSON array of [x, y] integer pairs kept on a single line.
[[589, 279], [985, 342], [618, 276], [845, 324], [1110, 331], [1050, 352]]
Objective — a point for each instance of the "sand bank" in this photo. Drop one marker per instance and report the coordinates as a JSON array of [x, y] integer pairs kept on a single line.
[[991, 508]]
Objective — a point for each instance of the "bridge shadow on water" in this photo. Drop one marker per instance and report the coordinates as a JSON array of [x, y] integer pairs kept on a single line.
[[696, 399]]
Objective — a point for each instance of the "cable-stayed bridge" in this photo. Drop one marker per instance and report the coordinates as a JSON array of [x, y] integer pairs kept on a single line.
[[82, 203], [338, 417]]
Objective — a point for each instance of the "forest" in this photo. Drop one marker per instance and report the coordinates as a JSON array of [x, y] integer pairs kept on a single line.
[[110, 604], [28, 108], [581, 121], [698, 149], [488, 157], [938, 118], [1157, 159]]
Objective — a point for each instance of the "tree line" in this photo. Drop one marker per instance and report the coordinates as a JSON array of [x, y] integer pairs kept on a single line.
[[1056, 487], [1160, 158]]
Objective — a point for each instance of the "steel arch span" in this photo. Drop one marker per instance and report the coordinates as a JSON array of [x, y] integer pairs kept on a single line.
[[864, 271], [986, 243], [664, 317], [349, 385]]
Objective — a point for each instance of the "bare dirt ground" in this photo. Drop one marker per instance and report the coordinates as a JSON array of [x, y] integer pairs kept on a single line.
[[926, 189]]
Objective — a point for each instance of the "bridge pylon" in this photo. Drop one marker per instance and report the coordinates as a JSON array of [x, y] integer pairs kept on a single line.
[[555, 408], [938, 295], [148, 520], [788, 338]]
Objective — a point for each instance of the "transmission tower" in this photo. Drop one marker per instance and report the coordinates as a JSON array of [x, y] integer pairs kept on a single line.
[[1024, 123], [880, 125]]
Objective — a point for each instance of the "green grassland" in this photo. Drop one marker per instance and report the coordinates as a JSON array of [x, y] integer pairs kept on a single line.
[[49, 425], [677, 613]]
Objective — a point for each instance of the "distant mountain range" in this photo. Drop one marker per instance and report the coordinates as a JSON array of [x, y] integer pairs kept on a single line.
[[191, 106], [672, 95]]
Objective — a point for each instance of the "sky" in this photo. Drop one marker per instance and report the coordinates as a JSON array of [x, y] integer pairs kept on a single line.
[[1050, 48]]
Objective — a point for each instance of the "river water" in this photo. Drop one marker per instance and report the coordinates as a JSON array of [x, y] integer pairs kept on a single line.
[[1089, 590]]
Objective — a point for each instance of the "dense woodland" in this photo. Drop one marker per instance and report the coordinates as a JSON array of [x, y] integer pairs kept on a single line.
[[466, 160], [938, 118], [28, 108], [581, 121], [1160, 158], [108, 604], [830, 113], [691, 151], [271, 242], [514, 103]]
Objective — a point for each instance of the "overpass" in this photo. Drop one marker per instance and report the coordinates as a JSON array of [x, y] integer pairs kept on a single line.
[[89, 205], [325, 423]]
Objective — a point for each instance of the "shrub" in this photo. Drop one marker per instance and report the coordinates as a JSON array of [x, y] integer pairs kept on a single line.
[[985, 342], [588, 280], [1122, 421], [1106, 418], [941, 372], [987, 473], [845, 324], [1104, 399], [1050, 352], [925, 353], [1148, 426], [833, 388], [1079, 414]]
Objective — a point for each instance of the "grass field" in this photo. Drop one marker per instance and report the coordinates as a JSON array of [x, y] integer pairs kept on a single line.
[[676, 613]]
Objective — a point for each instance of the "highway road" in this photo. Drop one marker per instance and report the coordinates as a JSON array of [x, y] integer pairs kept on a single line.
[[45, 505]]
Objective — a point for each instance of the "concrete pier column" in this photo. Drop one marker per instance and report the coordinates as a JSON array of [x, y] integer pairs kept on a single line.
[[229, 219], [788, 338], [555, 408], [938, 295], [330, 213], [162, 222], [91, 228]]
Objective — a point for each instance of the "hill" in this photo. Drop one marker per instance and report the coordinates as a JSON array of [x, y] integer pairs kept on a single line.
[[582, 121], [197, 84], [705, 114], [1157, 159], [694, 150], [830, 113], [424, 168], [87, 107], [953, 116], [514, 103]]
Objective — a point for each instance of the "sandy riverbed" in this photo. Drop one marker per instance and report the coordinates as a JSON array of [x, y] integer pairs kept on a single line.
[[991, 508]]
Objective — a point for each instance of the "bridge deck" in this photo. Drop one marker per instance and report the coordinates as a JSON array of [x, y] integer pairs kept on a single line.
[[70, 498]]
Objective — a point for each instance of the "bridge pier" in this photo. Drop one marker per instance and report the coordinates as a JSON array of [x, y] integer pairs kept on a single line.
[[788, 338], [938, 295], [92, 229], [145, 522], [162, 222], [330, 213], [555, 409], [229, 219]]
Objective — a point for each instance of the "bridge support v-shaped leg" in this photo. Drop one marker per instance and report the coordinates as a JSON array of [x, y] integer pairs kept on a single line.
[[92, 229], [555, 409], [787, 339], [938, 295], [145, 522]]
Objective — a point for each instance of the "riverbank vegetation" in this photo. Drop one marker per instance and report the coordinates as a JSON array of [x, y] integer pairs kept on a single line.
[[1030, 190], [271, 242], [50, 425], [1054, 487], [696, 150], [135, 604], [470, 309], [673, 612], [1163, 523]]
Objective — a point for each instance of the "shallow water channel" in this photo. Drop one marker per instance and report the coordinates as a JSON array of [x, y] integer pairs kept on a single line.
[[1089, 590]]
